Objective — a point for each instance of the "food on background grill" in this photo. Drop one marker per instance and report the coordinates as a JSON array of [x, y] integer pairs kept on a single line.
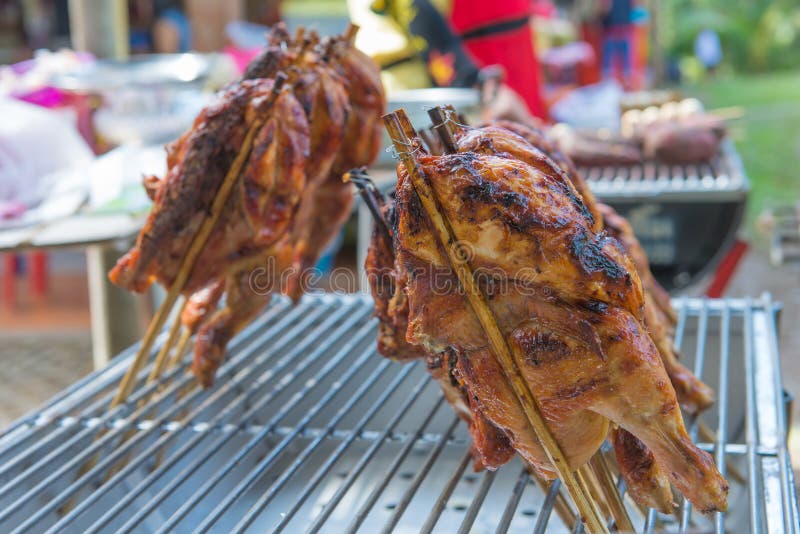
[[675, 133], [594, 150], [289, 201], [681, 142], [569, 301]]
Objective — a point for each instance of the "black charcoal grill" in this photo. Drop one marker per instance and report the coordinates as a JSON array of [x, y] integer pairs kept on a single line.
[[309, 429], [686, 216]]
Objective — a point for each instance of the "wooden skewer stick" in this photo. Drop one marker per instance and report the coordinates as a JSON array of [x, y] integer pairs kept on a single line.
[[162, 358], [585, 472], [350, 33], [575, 486], [180, 351], [618, 511]]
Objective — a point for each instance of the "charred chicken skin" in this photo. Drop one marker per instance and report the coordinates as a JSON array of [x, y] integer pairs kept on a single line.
[[693, 394], [289, 201], [260, 209], [571, 304]]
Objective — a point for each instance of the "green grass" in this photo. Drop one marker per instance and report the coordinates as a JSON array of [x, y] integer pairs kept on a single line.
[[767, 136]]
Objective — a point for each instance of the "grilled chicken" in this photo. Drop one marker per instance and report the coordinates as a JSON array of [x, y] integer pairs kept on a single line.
[[260, 209], [647, 482], [247, 292], [693, 395], [608, 329], [569, 302], [289, 201], [201, 305]]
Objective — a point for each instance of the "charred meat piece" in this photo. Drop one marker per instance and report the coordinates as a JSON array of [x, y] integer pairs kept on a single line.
[[568, 300], [260, 209]]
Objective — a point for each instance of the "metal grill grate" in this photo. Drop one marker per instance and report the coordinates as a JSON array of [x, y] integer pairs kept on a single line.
[[308, 428], [722, 176]]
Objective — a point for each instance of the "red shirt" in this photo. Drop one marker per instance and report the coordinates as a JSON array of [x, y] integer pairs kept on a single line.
[[492, 38]]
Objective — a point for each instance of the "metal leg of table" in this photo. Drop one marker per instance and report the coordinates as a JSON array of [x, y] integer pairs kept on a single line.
[[115, 313]]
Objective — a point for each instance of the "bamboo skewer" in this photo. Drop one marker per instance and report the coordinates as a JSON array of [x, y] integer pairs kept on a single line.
[[397, 124], [602, 471], [596, 491]]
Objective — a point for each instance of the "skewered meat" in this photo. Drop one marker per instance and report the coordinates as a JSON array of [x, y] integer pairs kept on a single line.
[[363, 133], [646, 481], [575, 329], [285, 207], [532, 147], [248, 291], [201, 304], [680, 143], [586, 149], [261, 207]]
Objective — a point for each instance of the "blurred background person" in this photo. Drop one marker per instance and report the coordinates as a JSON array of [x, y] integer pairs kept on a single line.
[[172, 31], [708, 49], [464, 44], [617, 39]]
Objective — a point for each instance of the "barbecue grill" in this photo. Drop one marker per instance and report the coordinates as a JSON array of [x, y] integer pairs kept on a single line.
[[685, 216], [309, 428]]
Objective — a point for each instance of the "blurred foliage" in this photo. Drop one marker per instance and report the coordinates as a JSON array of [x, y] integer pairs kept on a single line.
[[756, 35]]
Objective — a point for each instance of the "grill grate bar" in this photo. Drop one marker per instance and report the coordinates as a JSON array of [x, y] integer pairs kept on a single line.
[[700, 357], [359, 467], [547, 507], [262, 466], [311, 426], [419, 478], [722, 406], [751, 433], [477, 503], [121, 451], [513, 502], [265, 499], [296, 398], [445, 494], [230, 385], [165, 439], [105, 419], [366, 507], [721, 174], [790, 518]]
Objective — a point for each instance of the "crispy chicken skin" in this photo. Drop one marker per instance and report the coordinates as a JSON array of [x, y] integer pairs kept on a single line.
[[569, 302], [247, 291], [201, 304], [693, 394], [289, 202], [261, 206], [539, 139], [646, 481]]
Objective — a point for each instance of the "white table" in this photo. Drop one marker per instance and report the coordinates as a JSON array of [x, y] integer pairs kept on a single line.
[[115, 313]]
